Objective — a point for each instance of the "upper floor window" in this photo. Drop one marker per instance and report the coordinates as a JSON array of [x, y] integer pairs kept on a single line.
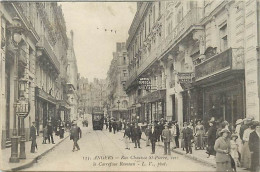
[[159, 6], [180, 15], [124, 60], [223, 38], [153, 14]]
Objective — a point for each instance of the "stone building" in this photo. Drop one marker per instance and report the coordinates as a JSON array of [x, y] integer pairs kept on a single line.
[[117, 100], [91, 94], [199, 60], [42, 64]]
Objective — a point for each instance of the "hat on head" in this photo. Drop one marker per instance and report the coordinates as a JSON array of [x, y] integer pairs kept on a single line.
[[239, 121], [234, 135], [224, 130]]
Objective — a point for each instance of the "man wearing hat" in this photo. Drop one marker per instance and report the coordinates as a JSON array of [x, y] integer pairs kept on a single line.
[[166, 135], [50, 131], [75, 134], [153, 137], [187, 133], [254, 147], [33, 133]]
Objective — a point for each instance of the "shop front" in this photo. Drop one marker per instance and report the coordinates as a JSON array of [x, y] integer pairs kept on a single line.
[[221, 82], [46, 109], [154, 106]]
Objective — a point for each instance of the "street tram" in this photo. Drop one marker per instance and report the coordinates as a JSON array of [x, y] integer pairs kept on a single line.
[[97, 118]]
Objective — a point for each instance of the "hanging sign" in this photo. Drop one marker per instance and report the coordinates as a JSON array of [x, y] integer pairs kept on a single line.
[[144, 83], [185, 77]]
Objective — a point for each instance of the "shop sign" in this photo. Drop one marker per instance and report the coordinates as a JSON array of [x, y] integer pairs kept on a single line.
[[185, 77], [144, 83]]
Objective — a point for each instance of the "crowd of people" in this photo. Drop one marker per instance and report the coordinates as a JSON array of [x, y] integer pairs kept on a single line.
[[233, 146]]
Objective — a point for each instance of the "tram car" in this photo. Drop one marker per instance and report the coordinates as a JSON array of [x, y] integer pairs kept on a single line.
[[97, 119]]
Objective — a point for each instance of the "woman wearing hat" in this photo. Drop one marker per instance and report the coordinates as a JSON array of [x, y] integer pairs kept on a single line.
[[254, 147], [199, 132], [222, 148], [234, 149], [245, 153]]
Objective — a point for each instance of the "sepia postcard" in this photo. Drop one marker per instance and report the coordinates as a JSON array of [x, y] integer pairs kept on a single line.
[[163, 85]]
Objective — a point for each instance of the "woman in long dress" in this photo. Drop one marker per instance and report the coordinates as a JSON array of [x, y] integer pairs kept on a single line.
[[199, 132], [211, 138], [245, 153], [222, 148]]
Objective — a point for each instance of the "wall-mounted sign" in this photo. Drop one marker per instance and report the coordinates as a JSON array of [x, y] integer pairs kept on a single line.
[[185, 77], [144, 83]]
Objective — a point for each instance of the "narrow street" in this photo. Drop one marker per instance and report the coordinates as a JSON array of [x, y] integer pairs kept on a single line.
[[101, 150]]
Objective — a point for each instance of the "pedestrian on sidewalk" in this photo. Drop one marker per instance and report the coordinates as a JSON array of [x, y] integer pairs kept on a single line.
[[114, 125], [187, 137], [75, 134], [199, 133], [222, 147], [234, 149], [177, 134], [147, 132], [246, 154], [33, 134], [127, 136], [61, 129], [254, 142], [50, 132], [174, 134], [153, 137], [166, 135], [110, 126], [45, 134], [137, 133], [211, 138]]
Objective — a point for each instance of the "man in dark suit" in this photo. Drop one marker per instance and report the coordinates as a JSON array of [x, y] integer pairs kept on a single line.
[[177, 134], [153, 137], [33, 134], [75, 134], [50, 131], [166, 135], [254, 147], [137, 135], [187, 136]]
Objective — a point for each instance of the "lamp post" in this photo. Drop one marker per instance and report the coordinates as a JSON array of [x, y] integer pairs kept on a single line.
[[118, 102], [22, 111], [16, 37]]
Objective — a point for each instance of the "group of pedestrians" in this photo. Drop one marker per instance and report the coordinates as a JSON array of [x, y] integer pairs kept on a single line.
[[47, 134], [113, 124]]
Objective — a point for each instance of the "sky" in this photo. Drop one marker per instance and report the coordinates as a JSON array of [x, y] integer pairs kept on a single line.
[[93, 45]]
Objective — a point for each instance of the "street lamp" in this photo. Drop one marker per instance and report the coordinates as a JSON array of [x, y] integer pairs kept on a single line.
[[22, 111], [16, 37], [118, 102]]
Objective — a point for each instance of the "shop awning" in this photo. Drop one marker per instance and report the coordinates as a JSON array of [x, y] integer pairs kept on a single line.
[[154, 96], [45, 96]]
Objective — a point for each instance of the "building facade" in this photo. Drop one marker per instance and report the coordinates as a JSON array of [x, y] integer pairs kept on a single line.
[[197, 58], [42, 63], [117, 100], [91, 94]]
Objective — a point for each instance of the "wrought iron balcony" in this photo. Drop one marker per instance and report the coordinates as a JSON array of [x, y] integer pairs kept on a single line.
[[45, 46], [231, 59]]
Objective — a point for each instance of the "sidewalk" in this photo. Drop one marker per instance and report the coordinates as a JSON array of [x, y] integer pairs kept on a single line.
[[197, 155], [30, 157]]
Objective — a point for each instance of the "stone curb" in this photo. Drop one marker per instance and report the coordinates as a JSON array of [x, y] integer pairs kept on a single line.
[[34, 160]]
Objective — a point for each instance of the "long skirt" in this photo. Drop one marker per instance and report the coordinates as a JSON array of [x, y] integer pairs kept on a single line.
[[245, 156], [199, 141], [223, 166]]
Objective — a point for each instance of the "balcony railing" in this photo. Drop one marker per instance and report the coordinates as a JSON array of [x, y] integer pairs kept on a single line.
[[231, 59], [45, 45], [193, 17]]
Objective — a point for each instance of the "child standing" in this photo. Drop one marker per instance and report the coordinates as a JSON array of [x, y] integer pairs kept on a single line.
[[234, 149]]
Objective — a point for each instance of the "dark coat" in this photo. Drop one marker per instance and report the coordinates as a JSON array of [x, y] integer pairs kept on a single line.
[[187, 134], [75, 133], [114, 124], [153, 135], [212, 135], [166, 134], [254, 146], [242, 129], [127, 132], [177, 130], [33, 132], [147, 131], [49, 128], [136, 133]]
